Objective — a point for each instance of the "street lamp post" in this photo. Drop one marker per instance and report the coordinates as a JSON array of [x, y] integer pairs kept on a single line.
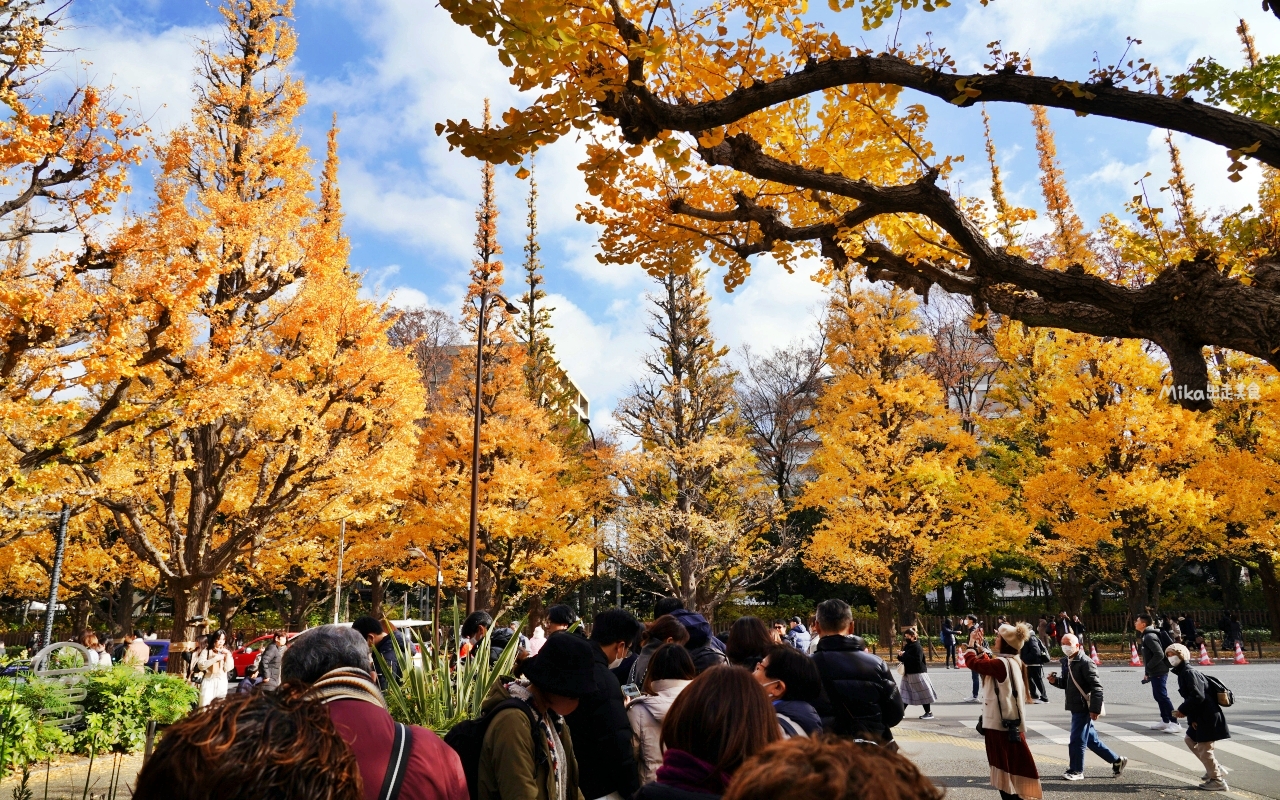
[[475, 445]]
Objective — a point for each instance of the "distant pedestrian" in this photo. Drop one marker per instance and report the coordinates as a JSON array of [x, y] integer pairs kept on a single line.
[[792, 682], [1078, 628], [386, 660], [560, 617], [250, 681], [948, 637], [136, 653], [916, 689], [663, 630], [1079, 679], [1156, 671], [670, 671], [474, 628], [1042, 630], [1206, 723], [1035, 655], [860, 698], [214, 662], [269, 663], [798, 635], [1188, 627], [719, 721], [779, 631], [1004, 696], [748, 641], [977, 642]]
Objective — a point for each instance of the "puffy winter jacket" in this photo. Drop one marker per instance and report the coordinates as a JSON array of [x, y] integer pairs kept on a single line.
[[705, 649], [860, 696], [801, 713], [606, 760], [798, 637]]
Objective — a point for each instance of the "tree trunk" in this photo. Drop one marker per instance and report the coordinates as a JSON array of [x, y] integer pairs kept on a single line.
[[122, 611], [1271, 591], [189, 601], [1228, 572], [884, 615], [1095, 599], [906, 604], [958, 605], [79, 615], [376, 591], [1069, 590], [537, 611], [228, 606]]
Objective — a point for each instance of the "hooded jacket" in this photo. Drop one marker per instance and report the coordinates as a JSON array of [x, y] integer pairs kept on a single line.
[[798, 637], [705, 649], [509, 767], [859, 694], [646, 715]]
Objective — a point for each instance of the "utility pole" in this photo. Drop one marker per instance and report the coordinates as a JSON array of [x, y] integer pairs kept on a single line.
[[58, 552], [337, 589]]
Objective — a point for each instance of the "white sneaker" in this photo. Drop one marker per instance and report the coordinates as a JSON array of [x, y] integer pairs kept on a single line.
[[1159, 726], [1214, 786], [1173, 727], [1072, 776]]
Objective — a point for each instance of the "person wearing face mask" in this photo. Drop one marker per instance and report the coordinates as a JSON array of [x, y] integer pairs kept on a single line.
[[601, 730], [1206, 723], [791, 680], [1079, 680]]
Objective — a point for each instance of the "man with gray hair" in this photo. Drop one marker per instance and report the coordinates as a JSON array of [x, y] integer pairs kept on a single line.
[[1084, 702], [394, 759]]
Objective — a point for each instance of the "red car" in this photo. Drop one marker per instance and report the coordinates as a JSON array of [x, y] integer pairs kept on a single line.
[[250, 652]]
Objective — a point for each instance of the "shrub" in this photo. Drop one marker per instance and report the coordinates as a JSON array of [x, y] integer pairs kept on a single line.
[[23, 738], [120, 701]]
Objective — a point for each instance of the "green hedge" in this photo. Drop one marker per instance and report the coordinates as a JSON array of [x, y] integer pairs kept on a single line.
[[118, 704]]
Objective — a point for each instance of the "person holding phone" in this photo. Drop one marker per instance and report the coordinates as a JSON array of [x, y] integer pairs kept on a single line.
[[670, 671], [1079, 679]]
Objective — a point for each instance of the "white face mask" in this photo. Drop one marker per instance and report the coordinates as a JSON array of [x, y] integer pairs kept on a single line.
[[1069, 650], [1174, 661], [614, 664]]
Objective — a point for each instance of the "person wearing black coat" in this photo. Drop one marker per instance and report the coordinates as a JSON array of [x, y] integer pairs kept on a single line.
[[601, 730], [1035, 655], [1206, 723], [948, 637], [859, 696], [915, 689]]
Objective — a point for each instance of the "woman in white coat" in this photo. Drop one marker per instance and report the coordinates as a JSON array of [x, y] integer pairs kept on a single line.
[[670, 669], [215, 661]]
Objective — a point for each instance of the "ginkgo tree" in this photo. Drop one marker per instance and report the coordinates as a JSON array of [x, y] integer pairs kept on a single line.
[[737, 128], [279, 392], [904, 507]]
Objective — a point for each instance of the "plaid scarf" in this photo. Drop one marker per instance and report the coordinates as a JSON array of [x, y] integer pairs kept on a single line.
[[347, 683]]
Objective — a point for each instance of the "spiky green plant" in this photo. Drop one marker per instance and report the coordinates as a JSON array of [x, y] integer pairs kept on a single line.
[[446, 689]]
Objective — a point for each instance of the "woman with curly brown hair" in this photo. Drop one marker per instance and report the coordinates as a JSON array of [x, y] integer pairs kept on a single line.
[[270, 745], [830, 768], [716, 723]]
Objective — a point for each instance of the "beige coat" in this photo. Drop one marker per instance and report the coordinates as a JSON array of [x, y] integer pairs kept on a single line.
[[646, 715]]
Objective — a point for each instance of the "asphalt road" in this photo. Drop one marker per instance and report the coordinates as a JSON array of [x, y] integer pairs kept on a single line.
[[951, 752]]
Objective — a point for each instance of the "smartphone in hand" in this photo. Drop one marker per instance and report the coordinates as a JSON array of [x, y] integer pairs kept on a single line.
[[632, 691]]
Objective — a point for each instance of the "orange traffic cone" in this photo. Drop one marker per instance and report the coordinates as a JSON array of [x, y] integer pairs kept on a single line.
[[1093, 653], [1205, 661], [1134, 660], [1240, 659], [960, 660]]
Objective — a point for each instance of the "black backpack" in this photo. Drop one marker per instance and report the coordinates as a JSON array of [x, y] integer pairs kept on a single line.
[[1165, 639], [467, 740]]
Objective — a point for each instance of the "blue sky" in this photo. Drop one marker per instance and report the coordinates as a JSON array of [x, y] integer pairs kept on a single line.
[[391, 69]]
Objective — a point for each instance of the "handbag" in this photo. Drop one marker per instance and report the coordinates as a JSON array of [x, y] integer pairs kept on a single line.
[[1088, 696]]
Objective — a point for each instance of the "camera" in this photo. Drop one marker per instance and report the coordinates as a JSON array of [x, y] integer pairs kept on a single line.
[[1013, 727]]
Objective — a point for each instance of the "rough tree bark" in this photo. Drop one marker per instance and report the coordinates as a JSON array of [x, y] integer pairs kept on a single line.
[[1271, 591]]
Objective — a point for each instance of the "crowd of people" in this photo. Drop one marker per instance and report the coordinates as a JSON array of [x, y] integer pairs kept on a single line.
[[661, 710]]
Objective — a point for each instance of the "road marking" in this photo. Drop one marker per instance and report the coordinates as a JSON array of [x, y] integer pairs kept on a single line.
[[1252, 733], [1267, 723], [1252, 753], [1181, 756], [1051, 732]]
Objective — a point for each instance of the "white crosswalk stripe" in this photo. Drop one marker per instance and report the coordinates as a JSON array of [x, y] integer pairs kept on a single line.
[[1165, 746]]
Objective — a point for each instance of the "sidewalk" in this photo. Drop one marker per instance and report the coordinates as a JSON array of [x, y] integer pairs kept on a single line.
[[66, 779]]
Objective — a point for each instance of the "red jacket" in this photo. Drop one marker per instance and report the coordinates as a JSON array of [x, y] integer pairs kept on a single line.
[[434, 771]]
